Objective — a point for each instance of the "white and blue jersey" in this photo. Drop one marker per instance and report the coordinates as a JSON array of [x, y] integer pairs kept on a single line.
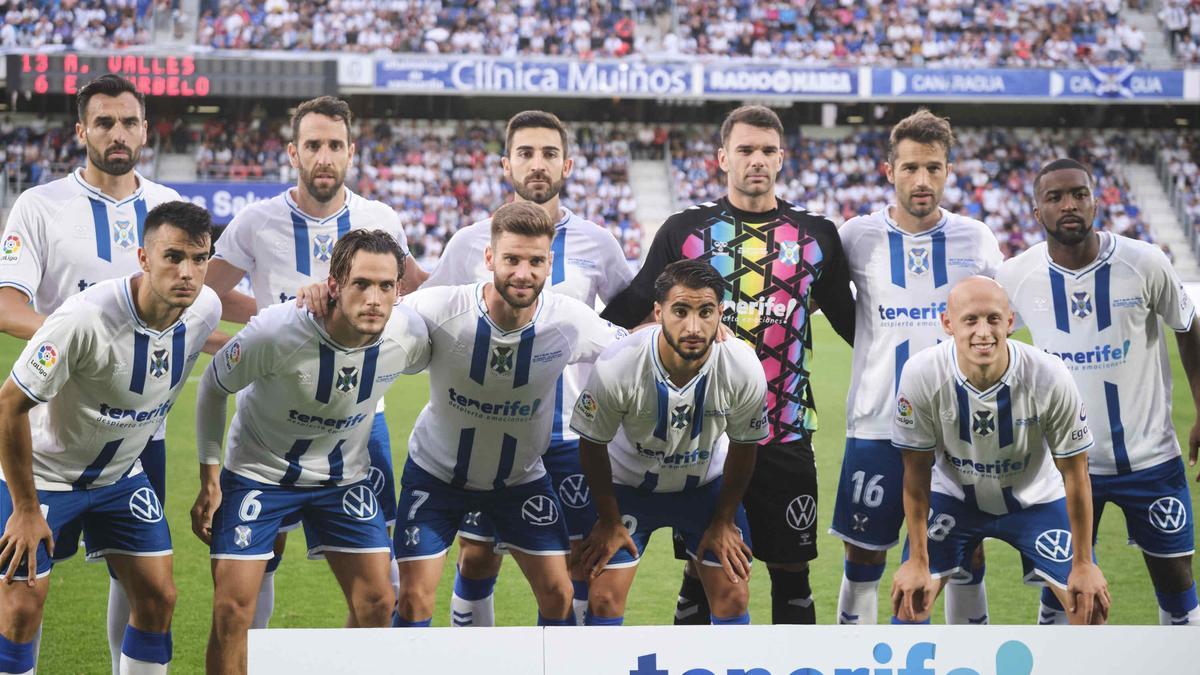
[[107, 381]]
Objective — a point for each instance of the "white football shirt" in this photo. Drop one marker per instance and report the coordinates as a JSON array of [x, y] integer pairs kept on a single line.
[[995, 449], [491, 391], [1102, 321], [666, 438], [106, 381], [305, 403], [902, 281]]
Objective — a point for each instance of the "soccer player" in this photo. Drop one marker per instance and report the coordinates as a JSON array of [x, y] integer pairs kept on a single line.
[[65, 235], [679, 416], [108, 364], [306, 392], [498, 350], [904, 259], [999, 431], [286, 243], [779, 263], [1094, 300], [588, 263]]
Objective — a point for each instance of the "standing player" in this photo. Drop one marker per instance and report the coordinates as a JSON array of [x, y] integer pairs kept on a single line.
[[779, 263], [297, 443], [1095, 300], [498, 351], [991, 424], [66, 235], [286, 243], [108, 365], [587, 263], [675, 418], [904, 259]]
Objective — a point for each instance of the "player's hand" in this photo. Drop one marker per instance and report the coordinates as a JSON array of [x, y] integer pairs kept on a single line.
[[25, 530], [605, 539], [314, 297], [725, 542], [1194, 445], [1087, 595], [202, 511], [913, 592]]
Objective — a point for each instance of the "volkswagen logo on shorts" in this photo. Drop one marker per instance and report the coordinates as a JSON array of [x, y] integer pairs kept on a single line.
[[376, 480], [801, 512], [574, 492], [144, 505], [539, 510], [359, 503], [1168, 515], [630, 523], [1054, 545]]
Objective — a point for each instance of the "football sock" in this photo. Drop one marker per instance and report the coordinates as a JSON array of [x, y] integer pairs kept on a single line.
[[1179, 609], [145, 653], [16, 657], [397, 622], [569, 621], [791, 598], [579, 600], [966, 600], [590, 619], [118, 619], [395, 580], [471, 604], [858, 600], [1050, 611], [900, 622], [742, 619], [692, 607], [266, 601]]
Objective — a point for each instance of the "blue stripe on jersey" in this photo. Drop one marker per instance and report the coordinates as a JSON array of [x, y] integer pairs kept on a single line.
[[1004, 419], [178, 353], [1058, 291], [343, 223], [483, 340], [141, 347], [100, 221], [691, 482], [698, 407], [366, 381], [139, 209], [293, 459], [1103, 308], [1116, 428], [524, 357], [901, 359], [556, 431], [335, 465], [93, 470], [508, 455], [964, 413], [649, 482], [896, 244], [664, 402], [940, 276], [558, 271], [1010, 502], [466, 441], [300, 238], [969, 497], [325, 374]]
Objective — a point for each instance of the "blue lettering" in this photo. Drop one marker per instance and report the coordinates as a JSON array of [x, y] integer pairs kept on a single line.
[[495, 409], [1012, 658], [1097, 354], [336, 423], [648, 665], [930, 312]]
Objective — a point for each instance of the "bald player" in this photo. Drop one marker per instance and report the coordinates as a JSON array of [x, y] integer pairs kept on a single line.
[[995, 437]]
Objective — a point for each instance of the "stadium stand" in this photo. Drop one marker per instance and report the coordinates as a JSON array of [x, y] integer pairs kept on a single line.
[[1179, 167], [1180, 20], [80, 24]]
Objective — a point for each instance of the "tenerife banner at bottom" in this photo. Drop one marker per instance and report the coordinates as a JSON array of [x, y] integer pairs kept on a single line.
[[727, 650]]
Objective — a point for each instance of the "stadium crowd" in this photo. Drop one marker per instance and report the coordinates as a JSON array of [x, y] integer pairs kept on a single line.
[[1181, 154], [78, 24], [1180, 19]]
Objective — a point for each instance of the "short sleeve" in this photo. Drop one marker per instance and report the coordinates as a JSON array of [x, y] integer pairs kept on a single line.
[[913, 419], [236, 244], [992, 257], [46, 362], [1166, 294], [598, 410], [747, 421], [23, 248], [594, 334], [1066, 427], [454, 265], [616, 272], [409, 331], [248, 356]]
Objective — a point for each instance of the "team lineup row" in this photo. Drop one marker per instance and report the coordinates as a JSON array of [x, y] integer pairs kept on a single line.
[[523, 446]]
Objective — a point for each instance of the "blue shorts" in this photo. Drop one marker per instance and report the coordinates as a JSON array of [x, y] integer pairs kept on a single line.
[[566, 473], [1157, 506], [344, 519], [870, 509], [688, 513], [526, 517], [1041, 533], [125, 518]]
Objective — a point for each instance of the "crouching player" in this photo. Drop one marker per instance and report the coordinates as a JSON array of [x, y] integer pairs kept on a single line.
[[998, 417], [306, 395], [679, 416]]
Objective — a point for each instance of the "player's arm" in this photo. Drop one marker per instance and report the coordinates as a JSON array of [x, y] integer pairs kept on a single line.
[[634, 305], [414, 275], [1087, 589], [211, 400], [1189, 358], [17, 316], [26, 527], [831, 291], [913, 587], [722, 537], [609, 533], [223, 277]]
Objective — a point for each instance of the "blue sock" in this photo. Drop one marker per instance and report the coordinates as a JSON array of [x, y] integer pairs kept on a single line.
[[898, 622], [397, 622], [569, 621], [145, 646], [859, 573], [580, 590], [473, 589], [593, 620], [1178, 605], [15, 657], [1050, 600], [742, 619]]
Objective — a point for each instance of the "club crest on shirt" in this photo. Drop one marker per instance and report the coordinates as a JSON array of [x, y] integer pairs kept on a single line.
[[681, 416], [918, 261], [323, 247], [1081, 304], [789, 252], [502, 360], [160, 362], [10, 250], [983, 423], [43, 359], [123, 234], [347, 379]]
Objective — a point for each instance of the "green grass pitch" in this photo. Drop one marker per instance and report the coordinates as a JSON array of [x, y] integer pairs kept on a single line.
[[307, 596]]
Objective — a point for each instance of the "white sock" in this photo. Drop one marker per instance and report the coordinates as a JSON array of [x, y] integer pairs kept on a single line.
[[967, 604], [395, 580], [266, 602], [858, 601], [1050, 611], [37, 646], [580, 608], [1165, 618], [465, 613], [131, 666], [118, 618]]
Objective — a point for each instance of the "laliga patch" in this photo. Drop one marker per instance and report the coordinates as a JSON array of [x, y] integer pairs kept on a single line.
[[233, 355], [587, 406], [43, 360], [904, 412], [10, 250]]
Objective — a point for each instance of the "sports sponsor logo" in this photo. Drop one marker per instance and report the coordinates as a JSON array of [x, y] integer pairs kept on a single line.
[[931, 312], [359, 502], [573, 491], [233, 355], [1054, 545], [996, 468], [43, 359], [334, 423], [494, 409], [766, 309], [323, 247], [376, 480], [801, 512], [1168, 515], [1099, 354], [109, 414], [674, 460], [539, 510], [144, 505], [1081, 304], [10, 250], [904, 412], [587, 406]]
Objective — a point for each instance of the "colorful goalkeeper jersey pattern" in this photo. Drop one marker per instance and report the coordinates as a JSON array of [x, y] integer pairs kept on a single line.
[[779, 266]]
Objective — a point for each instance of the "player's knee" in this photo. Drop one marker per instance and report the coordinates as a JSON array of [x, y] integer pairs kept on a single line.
[[23, 614], [477, 561], [415, 604], [1170, 575], [373, 606], [606, 602], [152, 605], [232, 614], [729, 599], [865, 556], [555, 598]]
